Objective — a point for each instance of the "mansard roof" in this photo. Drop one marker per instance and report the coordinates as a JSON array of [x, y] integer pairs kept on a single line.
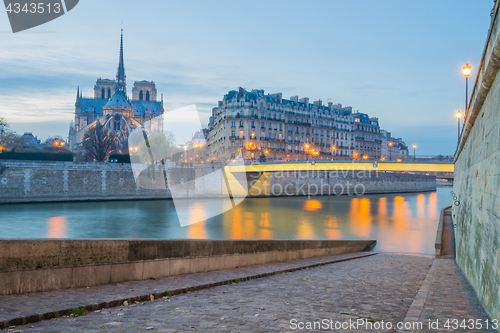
[[257, 94]]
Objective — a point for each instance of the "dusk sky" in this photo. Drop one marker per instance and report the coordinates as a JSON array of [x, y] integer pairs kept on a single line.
[[400, 61]]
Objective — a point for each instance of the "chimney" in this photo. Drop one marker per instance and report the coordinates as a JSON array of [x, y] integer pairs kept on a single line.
[[330, 104], [279, 96], [295, 99], [305, 100]]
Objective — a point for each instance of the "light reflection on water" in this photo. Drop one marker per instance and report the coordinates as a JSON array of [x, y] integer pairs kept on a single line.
[[399, 222]]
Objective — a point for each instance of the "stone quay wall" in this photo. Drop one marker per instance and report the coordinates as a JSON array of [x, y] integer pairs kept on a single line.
[[28, 266], [66, 181], [476, 208], [291, 183]]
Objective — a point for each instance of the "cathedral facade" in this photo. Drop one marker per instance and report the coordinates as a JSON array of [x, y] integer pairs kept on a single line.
[[112, 108]]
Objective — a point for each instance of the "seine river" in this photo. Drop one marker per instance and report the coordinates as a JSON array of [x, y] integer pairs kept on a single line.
[[404, 223]]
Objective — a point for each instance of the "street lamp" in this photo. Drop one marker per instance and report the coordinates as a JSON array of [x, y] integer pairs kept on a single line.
[[390, 151], [466, 70], [414, 147], [459, 115]]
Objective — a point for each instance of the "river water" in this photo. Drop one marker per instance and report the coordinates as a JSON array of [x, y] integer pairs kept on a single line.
[[405, 222]]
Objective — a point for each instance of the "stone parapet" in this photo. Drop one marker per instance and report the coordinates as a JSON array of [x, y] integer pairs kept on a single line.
[[28, 266]]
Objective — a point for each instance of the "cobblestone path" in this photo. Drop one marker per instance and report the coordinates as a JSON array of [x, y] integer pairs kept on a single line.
[[380, 287], [451, 297]]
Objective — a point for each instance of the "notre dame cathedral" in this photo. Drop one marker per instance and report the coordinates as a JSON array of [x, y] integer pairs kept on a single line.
[[111, 107]]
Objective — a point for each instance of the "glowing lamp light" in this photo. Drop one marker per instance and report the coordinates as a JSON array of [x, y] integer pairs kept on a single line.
[[62, 144], [399, 160], [414, 146], [365, 157], [390, 144], [266, 151], [333, 147], [467, 70], [459, 114]]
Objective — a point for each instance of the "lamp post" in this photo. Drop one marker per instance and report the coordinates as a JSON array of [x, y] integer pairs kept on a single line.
[[466, 70], [414, 147], [390, 151], [333, 152], [459, 115]]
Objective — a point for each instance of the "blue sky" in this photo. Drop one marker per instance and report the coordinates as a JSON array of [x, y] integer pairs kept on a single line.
[[396, 60]]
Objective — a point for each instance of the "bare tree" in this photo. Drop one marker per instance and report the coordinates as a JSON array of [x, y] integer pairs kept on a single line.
[[99, 143], [4, 127]]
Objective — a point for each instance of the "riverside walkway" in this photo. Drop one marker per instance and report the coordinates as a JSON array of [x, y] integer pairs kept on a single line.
[[351, 287]]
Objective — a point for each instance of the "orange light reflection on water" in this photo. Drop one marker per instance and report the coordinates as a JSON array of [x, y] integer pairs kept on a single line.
[[420, 206], [432, 209], [332, 230], [305, 230], [56, 227], [312, 205], [360, 217], [264, 227], [239, 224]]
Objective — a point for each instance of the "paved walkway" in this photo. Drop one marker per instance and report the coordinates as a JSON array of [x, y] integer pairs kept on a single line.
[[378, 288]]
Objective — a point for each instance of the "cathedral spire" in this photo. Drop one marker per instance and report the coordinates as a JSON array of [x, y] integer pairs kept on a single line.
[[120, 75]]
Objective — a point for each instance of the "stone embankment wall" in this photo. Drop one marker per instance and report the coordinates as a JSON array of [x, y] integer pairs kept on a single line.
[[66, 181], [476, 209], [339, 183], [40, 265]]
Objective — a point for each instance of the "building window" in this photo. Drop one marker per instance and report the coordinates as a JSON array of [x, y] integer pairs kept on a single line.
[[233, 123], [141, 95], [147, 95], [109, 93], [102, 93], [242, 104], [234, 105], [241, 134], [241, 123]]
